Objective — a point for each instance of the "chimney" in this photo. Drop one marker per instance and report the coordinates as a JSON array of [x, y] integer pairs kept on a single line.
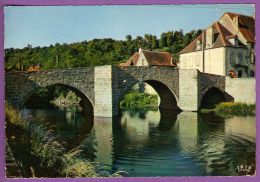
[[209, 37], [203, 49], [140, 50]]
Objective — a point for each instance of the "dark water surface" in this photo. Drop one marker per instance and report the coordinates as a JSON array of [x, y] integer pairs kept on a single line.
[[158, 143]]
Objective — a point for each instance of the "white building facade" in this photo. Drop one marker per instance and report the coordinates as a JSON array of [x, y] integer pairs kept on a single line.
[[226, 46]]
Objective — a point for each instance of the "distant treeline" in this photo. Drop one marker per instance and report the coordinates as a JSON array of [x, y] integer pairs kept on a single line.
[[95, 52]]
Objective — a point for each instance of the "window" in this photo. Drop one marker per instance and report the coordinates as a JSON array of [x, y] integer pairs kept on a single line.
[[239, 73], [252, 58], [239, 58], [132, 63], [231, 58], [198, 46], [215, 37], [252, 73]]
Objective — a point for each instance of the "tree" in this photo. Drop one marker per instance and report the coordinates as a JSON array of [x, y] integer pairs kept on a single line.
[[128, 38], [155, 43], [95, 52], [163, 40], [169, 38]]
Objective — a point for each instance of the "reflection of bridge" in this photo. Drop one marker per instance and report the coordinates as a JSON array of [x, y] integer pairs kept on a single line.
[[102, 88]]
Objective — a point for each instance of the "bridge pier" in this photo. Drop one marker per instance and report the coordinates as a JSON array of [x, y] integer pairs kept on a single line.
[[103, 92], [188, 90]]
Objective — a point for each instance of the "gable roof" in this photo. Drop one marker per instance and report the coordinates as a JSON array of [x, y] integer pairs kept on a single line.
[[224, 35], [153, 58], [134, 58], [247, 30], [158, 58], [248, 22], [221, 40], [192, 46]]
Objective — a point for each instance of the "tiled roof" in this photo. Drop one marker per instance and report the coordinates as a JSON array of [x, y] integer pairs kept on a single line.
[[248, 31], [192, 46], [249, 22], [153, 58], [221, 40], [158, 58], [133, 59]]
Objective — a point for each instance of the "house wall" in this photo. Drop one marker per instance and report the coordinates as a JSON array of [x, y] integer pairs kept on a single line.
[[191, 60], [218, 61], [214, 61], [237, 56], [142, 61]]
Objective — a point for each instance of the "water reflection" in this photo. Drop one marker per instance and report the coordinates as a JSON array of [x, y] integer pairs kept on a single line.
[[70, 126], [160, 143]]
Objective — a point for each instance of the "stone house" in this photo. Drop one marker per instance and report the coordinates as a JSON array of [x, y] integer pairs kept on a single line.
[[224, 48], [149, 58]]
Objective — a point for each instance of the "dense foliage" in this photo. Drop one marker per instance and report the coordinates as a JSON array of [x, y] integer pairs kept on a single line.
[[95, 52], [139, 100]]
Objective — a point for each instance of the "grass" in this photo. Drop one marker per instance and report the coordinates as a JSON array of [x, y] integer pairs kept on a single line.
[[230, 108], [39, 154]]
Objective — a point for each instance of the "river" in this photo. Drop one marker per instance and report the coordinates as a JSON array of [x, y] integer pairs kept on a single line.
[[158, 143]]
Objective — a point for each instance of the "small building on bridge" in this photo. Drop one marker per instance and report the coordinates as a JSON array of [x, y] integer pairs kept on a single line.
[[227, 46], [150, 58]]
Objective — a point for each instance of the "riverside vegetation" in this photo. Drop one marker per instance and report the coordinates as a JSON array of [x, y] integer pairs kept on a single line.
[[226, 109], [39, 154], [139, 100], [68, 99]]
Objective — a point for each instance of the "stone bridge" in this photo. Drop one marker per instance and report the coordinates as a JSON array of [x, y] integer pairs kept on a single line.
[[102, 88]]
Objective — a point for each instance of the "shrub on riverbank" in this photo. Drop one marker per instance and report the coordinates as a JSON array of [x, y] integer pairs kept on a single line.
[[139, 100], [227, 108], [69, 99], [36, 149], [237, 108]]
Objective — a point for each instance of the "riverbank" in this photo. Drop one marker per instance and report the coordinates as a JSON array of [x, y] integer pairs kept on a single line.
[[139, 100], [39, 154], [230, 108]]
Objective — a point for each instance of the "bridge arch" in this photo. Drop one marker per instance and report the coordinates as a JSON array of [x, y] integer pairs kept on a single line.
[[211, 97], [85, 103], [168, 99]]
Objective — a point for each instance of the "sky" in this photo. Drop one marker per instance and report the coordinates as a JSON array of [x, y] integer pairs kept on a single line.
[[46, 25]]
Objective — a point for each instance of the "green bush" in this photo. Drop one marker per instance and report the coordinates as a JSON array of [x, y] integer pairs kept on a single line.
[[139, 100], [239, 108], [230, 108]]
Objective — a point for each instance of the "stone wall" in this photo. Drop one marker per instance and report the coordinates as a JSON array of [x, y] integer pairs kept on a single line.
[[105, 86], [129, 76], [241, 89], [21, 85], [207, 81]]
